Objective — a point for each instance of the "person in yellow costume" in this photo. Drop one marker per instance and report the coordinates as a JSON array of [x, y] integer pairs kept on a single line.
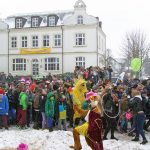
[[92, 128], [78, 93]]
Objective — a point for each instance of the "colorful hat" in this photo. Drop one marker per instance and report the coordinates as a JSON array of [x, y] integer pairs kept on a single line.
[[89, 94], [28, 82], [22, 80]]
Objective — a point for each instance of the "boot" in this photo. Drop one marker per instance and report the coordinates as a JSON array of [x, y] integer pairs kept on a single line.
[[50, 129], [77, 144], [144, 142], [114, 138], [135, 139]]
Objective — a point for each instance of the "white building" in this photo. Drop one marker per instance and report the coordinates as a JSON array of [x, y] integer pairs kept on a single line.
[[55, 42], [4, 47]]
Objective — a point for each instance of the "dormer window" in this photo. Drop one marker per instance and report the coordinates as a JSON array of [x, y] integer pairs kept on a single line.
[[19, 23], [51, 21], [35, 22], [80, 20]]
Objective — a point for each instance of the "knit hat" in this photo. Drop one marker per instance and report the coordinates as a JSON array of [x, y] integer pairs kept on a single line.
[[2, 91]]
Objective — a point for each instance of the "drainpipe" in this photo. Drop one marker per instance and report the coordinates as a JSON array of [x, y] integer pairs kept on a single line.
[[8, 46], [97, 40], [62, 49]]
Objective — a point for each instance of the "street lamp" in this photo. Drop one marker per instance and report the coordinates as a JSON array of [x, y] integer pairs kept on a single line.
[[128, 54]]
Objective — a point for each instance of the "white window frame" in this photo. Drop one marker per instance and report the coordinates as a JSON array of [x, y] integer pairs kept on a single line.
[[80, 61], [35, 41], [14, 42], [51, 21], [35, 22], [80, 19], [24, 41], [57, 40], [19, 23], [52, 63], [19, 64], [46, 40], [80, 39]]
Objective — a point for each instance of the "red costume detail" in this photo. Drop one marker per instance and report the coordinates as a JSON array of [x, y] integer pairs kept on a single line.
[[95, 131]]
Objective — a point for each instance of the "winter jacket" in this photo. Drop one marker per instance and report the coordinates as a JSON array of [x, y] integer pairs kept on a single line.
[[23, 100], [15, 98], [4, 105], [42, 103], [50, 105], [136, 104], [108, 103], [36, 101]]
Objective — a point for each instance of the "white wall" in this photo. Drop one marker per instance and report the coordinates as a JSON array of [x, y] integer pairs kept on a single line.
[[70, 39], [40, 32], [70, 61], [3, 47]]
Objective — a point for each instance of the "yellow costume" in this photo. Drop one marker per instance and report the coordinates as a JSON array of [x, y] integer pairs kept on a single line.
[[79, 96]]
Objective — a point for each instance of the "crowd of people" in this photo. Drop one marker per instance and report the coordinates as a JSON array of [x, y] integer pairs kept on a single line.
[[48, 103]]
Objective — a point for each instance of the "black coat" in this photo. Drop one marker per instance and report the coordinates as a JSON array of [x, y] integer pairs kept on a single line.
[[42, 103], [108, 103]]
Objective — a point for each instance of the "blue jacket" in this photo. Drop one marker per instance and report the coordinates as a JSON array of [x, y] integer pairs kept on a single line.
[[4, 105]]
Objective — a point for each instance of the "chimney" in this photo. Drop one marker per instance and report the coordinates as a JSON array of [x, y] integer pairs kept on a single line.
[[100, 24]]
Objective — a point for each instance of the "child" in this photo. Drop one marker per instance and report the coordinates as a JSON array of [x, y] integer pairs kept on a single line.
[[4, 107], [49, 110], [22, 116], [61, 105]]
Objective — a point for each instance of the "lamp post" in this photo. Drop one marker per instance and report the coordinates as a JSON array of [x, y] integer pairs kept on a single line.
[[128, 54]]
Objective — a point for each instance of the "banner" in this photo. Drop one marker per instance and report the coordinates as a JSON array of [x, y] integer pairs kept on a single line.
[[121, 77], [26, 51]]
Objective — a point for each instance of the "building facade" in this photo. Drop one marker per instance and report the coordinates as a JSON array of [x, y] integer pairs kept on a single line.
[[4, 47], [55, 42]]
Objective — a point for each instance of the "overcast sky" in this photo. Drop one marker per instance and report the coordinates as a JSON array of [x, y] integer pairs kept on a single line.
[[117, 16]]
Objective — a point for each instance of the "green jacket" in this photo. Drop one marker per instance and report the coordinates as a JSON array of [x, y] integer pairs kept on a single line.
[[50, 105], [23, 100]]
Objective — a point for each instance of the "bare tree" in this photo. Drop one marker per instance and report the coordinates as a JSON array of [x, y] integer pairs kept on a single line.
[[135, 45]]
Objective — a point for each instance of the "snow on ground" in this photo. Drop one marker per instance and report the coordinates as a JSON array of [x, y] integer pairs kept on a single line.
[[60, 140]]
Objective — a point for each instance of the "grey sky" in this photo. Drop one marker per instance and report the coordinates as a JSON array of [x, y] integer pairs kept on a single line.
[[118, 16]]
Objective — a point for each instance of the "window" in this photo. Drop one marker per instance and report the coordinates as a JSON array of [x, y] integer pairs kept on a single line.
[[80, 39], [19, 64], [80, 20], [19, 23], [52, 63], [35, 41], [80, 61], [35, 22], [57, 40], [46, 40], [52, 21], [24, 41], [13, 42]]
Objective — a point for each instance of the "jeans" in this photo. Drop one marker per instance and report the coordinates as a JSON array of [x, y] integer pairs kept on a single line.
[[43, 120], [50, 122], [60, 122], [29, 114], [139, 124], [22, 117], [12, 114], [4, 120]]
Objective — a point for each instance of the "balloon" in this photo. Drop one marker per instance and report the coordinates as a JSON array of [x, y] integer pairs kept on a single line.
[[136, 64]]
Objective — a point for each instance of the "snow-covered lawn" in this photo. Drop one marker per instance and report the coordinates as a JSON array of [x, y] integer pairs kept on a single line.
[[60, 140]]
